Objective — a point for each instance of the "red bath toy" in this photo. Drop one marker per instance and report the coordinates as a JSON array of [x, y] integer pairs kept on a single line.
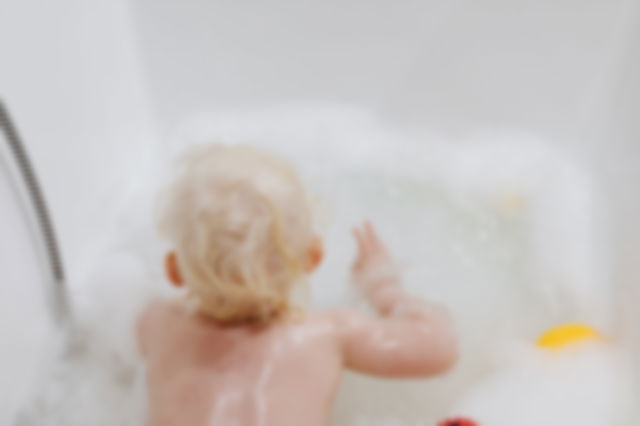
[[458, 422]]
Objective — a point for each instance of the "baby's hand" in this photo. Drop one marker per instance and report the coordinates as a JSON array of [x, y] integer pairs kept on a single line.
[[374, 266]]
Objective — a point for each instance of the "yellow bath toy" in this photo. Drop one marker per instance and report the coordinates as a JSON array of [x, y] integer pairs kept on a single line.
[[560, 337]]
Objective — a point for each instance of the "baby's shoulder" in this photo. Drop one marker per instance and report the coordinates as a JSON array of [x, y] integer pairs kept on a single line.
[[155, 308], [330, 320], [336, 317]]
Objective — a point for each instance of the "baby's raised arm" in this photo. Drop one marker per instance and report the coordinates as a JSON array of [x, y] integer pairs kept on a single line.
[[409, 337]]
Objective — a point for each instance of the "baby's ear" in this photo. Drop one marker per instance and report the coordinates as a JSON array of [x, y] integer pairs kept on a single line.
[[172, 270], [316, 254]]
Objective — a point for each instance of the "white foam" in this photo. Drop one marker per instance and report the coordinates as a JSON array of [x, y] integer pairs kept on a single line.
[[576, 386], [446, 209]]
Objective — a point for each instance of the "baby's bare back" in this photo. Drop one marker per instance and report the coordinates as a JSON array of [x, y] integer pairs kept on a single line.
[[200, 373]]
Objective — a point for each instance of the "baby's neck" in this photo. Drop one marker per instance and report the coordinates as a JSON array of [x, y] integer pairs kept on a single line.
[[292, 314]]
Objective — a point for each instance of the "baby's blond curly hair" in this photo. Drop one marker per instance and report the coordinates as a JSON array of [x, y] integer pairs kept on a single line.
[[240, 224]]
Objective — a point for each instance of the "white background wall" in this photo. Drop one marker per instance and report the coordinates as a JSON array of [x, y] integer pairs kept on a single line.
[[69, 73], [539, 64]]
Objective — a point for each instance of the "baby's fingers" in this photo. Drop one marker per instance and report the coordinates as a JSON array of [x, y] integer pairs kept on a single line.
[[373, 240], [359, 240], [371, 236]]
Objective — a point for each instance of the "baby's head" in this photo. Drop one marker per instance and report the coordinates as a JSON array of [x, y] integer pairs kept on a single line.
[[241, 229]]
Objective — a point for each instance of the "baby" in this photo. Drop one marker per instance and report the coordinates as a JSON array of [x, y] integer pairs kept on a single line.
[[234, 351]]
